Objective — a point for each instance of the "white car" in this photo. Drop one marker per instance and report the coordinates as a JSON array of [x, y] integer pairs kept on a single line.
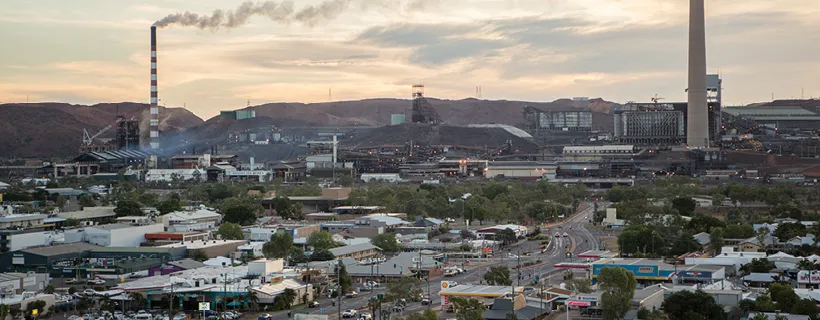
[[89, 292], [365, 316], [512, 256], [349, 313], [98, 282], [372, 284]]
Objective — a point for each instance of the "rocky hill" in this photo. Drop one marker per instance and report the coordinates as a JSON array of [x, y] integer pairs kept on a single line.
[[376, 112], [43, 130]]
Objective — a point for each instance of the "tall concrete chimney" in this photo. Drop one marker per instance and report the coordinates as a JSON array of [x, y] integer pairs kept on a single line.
[[154, 125], [697, 126]]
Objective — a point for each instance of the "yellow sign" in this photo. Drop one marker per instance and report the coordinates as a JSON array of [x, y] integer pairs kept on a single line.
[[34, 312], [445, 284]]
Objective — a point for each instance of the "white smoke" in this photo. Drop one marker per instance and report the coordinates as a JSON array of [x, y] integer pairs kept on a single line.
[[283, 12]]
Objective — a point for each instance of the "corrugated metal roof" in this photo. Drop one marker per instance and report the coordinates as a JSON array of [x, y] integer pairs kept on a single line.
[[62, 249]]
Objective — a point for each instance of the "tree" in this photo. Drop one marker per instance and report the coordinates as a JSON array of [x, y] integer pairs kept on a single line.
[[128, 208], [499, 275], [289, 296], [404, 288], [197, 255], [387, 242], [786, 231], [49, 290], [702, 223], [322, 255], [345, 281], [684, 205], [4, 311], [716, 239], [427, 314], [38, 305], [761, 265], [467, 234], [679, 306], [618, 286], [321, 240], [806, 307], [580, 285], [86, 200], [506, 236], [230, 231], [168, 206], [239, 211], [297, 256], [761, 234], [147, 199], [61, 201], [685, 243], [783, 295], [280, 244], [739, 231], [468, 309]]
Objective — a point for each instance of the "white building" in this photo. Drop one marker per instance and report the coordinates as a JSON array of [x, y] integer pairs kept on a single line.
[[193, 220], [19, 240], [264, 267], [21, 220], [167, 175], [249, 175], [119, 235]]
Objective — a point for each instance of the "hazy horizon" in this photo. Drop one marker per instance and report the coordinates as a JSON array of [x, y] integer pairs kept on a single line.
[[93, 51]]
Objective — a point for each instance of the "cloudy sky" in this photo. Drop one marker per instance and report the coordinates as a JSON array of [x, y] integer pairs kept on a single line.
[[90, 51]]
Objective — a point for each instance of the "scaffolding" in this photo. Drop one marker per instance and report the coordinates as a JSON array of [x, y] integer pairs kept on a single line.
[[423, 111]]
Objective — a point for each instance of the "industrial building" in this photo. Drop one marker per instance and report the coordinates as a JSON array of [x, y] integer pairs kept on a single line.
[[659, 124], [780, 119], [83, 258], [91, 163], [544, 121], [237, 114]]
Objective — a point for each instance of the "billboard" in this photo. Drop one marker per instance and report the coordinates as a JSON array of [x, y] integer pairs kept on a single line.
[[803, 276], [695, 274]]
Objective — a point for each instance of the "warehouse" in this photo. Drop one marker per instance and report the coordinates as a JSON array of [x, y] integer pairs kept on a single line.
[[521, 170], [88, 258], [119, 235]]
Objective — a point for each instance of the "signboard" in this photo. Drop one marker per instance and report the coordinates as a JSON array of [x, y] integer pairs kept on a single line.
[[803, 277], [447, 284], [446, 299], [29, 282], [203, 306], [695, 274], [587, 298], [10, 285], [18, 259]]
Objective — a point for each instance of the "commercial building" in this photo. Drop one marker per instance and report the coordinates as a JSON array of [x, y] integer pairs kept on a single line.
[[162, 238], [451, 289], [80, 259], [191, 220], [119, 235], [296, 231], [249, 175], [11, 282], [648, 271], [357, 251], [91, 215], [169, 175], [490, 232], [174, 267], [22, 220], [13, 240], [211, 248], [521, 170], [330, 198]]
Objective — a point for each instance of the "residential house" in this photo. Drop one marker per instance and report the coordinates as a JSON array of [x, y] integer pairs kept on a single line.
[[428, 222], [357, 251]]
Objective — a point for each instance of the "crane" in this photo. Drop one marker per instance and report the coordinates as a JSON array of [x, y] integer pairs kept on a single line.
[[89, 139], [655, 99]]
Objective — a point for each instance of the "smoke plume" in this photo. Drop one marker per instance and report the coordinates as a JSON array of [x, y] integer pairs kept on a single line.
[[283, 12]]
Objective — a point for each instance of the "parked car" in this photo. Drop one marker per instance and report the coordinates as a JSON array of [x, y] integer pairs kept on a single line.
[[89, 292], [425, 301], [365, 316], [313, 304], [264, 316], [352, 294], [350, 313], [98, 282], [70, 281], [372, 284]]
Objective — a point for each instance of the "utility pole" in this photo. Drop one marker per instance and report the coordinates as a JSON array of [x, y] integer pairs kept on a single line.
[[225, 291], [519, 266], [339, 295]]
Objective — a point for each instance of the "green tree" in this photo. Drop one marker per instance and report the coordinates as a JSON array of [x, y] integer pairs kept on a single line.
[[618, 286], [761, 265], [168, 206], [197, 255], [786, 231], [703, 223], [344, 279], [580, 285], [4, 311], [679, 306], [86, 200], [147, 199], [322, 255], [230, 231], [684, 205], [280, 244], [239, 211], [716, 239], [427, 314], [806, 307], [49, 290], [297, 256], [499, 275], [321, 240], [739, 231], [685, 243], [38, 305], [387, 242], [783, 295], [468, 309], [404, 288], [128, 208], [506, 236]]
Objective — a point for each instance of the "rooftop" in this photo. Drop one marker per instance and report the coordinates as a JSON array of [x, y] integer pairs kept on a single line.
[[345, 250], [61, 249], [22, 217], [466, 290], [114, 226], [192, 215], [193, 245]]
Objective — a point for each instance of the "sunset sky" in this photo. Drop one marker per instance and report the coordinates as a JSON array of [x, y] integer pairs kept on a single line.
[[91, 51]]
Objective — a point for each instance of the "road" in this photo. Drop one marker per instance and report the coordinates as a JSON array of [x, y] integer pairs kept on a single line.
[[580, 239]]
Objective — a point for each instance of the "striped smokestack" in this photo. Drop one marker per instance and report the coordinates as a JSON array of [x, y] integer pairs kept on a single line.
[[154, 100]]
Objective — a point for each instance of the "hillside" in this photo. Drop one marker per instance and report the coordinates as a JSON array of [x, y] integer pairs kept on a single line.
[[376, 112], [56, 129]]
